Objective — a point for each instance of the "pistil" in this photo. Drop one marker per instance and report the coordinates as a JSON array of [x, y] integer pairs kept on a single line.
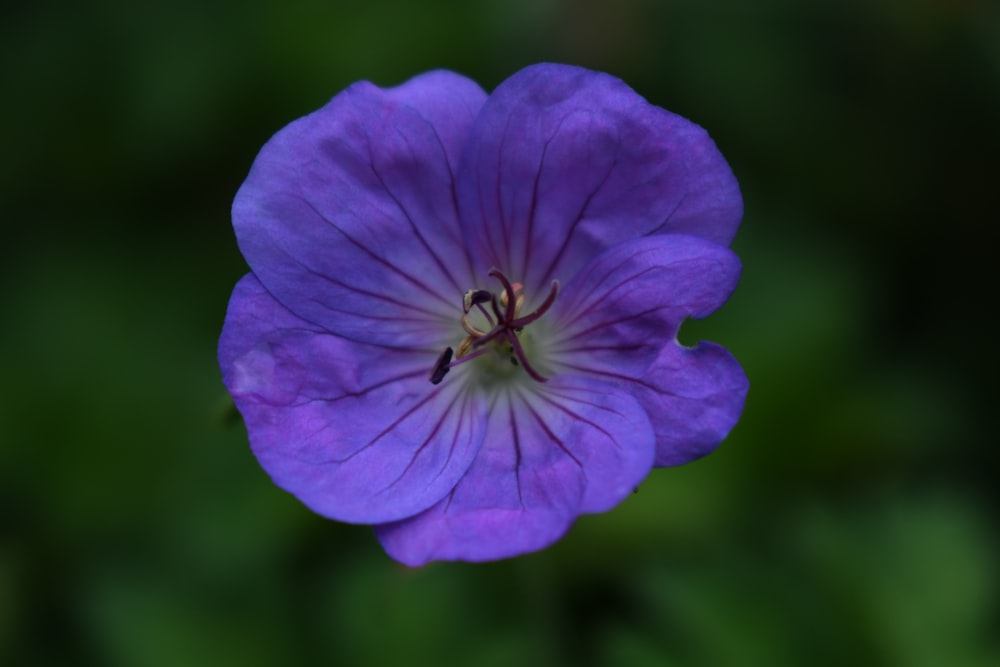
[[505, 325]]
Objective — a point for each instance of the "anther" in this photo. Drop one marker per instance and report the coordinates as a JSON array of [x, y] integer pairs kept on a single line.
[[474, 297], [441, 367]]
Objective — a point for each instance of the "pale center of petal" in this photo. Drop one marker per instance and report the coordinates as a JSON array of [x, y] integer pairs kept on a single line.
[[495, 331]]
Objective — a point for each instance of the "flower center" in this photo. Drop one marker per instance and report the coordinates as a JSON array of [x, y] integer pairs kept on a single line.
[[504, 327]]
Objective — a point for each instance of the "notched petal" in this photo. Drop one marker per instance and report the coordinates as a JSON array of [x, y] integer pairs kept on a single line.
[[694, 397], [618, 312]]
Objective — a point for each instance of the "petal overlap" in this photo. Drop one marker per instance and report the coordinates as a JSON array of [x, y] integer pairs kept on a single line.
[[548, 456]]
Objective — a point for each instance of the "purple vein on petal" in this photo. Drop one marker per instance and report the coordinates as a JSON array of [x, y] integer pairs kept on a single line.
[[503, 217], [447, 502], [547, 397], [554, 438], [413, 226], [564, 392], [517, 449], [602, 348], [625, 378], [406, 415], [577, 220], [432, 436], [368, 293], [604, 324], [395, 269], [380, 318], [487, 239], [529, 234], [420, 372], [498, 258], [475, 410], [576, 303], [435, 316], [680, 202], [455, 232], [460, 242]]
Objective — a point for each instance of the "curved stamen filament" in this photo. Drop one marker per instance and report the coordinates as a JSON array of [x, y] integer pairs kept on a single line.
[[485, 314], [507, 326], [541, 310], [471, 328], [522, 358], [509, 290], [496, 333]]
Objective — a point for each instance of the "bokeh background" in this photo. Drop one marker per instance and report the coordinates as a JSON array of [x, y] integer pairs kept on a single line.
[[849, 518]]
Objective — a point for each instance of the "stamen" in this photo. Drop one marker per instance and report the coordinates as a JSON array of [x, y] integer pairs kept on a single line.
[[496, 308], [504, 295], [464, 347], [469, 357], [470, 328], [482, 310], [474, 297], [508, 324], [441, 367], [498, 331], [508, 290], [541, 310], [520, 356]]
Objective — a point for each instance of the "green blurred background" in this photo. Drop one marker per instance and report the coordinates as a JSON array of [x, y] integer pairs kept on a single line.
[[847, 520]]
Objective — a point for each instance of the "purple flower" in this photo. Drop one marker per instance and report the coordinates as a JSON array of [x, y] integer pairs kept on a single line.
[[461, 320]]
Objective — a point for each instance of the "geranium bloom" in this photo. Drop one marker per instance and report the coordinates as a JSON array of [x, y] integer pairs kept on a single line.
[[460, 325]]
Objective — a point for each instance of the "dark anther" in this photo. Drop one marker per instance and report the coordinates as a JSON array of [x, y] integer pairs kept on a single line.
[[441, 368], [474, 297], [513, 361]]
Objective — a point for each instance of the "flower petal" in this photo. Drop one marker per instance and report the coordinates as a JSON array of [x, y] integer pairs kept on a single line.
[[615, 315], [567, 449], [694, 397], [355, 431], [564, 162], [348, 215]]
